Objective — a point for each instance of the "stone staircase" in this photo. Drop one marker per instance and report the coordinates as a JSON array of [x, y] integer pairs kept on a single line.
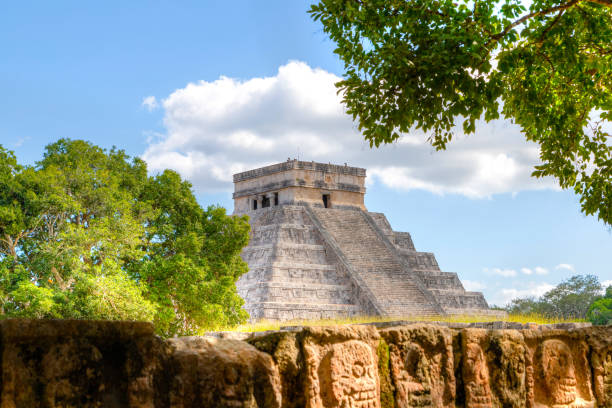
[[292, 274], [445, 286], [395, 289]]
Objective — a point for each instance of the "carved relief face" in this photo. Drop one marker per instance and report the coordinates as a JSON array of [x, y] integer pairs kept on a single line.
[[414, 376], [558, 371], [232, 386], [353, 376], [476, 377]]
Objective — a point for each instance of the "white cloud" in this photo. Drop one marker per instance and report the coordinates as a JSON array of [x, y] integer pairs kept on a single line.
[[606, 283], [217, 128], [473, 285], [566, 267], [540, 270], [503, 296], [507, 273], [150, 103]]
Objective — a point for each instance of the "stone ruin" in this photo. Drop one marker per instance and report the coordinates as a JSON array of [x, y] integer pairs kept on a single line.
[[316, 252], [87, 364]]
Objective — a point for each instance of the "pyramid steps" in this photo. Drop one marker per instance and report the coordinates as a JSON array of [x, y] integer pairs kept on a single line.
[[291, 274], [379, 267]]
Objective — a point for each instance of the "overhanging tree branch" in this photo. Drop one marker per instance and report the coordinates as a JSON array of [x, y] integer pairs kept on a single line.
[[505, 31]]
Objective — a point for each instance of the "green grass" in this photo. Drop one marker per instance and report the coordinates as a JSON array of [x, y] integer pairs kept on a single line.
[[264, 325]]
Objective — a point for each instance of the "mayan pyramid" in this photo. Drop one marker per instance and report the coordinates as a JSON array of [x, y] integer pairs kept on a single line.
[[316, 252]]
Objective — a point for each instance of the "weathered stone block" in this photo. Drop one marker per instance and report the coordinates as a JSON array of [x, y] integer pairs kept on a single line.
[[494, 368], [74, 363], [600, 342], [422, 365], [558, 369], [212, 372], [286, 350], [342, 367]]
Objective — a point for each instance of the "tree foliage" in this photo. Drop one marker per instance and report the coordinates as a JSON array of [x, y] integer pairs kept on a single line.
[[86, 233], [600, 311], [570, 299], [435, 64]]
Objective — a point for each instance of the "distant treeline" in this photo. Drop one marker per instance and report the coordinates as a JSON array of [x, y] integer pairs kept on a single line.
[[578, 297]]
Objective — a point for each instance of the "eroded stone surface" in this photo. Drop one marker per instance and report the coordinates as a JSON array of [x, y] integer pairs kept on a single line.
[[422, 366], [600, 342], [561, 372], [494, 368], [69, 363], [211, 372], [286, 350], [342, 367]]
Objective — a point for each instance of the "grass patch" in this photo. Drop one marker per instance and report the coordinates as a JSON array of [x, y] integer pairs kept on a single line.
[[264, 325]]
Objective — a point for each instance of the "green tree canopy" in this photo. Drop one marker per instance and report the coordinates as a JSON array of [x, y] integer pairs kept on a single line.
[[435, 64], [600, 311], [569, 299], [86, 233]]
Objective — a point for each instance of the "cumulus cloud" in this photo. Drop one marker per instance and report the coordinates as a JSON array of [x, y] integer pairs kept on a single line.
[[503, 296], [150, 103], [567, 267], [217, 128], [606, 283], [507, 273]]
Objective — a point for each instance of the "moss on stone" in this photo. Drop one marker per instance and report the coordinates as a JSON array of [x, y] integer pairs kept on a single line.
[[387, 390]]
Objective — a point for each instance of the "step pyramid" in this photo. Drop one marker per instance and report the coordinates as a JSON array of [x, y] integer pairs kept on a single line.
[[317, 253]]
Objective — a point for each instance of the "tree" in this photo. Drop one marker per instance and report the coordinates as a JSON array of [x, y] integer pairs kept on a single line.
[[432, 64], [572, 297], [85, 233], [193, 258], [600, 311], [528, 306], [569, 299]]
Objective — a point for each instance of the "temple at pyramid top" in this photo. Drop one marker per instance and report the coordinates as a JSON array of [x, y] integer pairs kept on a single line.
[[299, 182], [316, 252]]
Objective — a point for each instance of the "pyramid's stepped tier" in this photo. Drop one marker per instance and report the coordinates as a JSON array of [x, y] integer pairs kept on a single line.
[[293, 274], [396, 290], [444, 286], [401, 240]]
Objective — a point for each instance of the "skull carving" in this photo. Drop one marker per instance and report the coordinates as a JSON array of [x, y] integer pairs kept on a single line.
[[558, 371], [349, 378], [476, 377]]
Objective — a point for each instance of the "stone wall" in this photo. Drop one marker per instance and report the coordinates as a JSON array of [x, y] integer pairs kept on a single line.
[[294, 182], [119, 364]]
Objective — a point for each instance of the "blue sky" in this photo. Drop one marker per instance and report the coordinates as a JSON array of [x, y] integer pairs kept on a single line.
[[214, 87]]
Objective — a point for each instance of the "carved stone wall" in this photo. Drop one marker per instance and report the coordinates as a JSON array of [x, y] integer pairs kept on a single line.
[[68, 364]]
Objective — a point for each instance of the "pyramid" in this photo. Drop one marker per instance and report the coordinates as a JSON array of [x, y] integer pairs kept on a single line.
[[316, 252]]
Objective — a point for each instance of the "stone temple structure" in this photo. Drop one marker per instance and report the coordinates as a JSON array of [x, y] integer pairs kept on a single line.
[[316, 252]]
